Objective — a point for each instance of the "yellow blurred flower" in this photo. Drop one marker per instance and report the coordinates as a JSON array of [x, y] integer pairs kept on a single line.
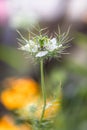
[[24, 96], [6, 123], [19, 92]]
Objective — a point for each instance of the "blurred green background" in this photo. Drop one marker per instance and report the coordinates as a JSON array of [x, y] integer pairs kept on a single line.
[[70, 69]]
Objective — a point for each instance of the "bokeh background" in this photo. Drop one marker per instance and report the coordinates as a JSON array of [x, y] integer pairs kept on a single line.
[[70, 69]]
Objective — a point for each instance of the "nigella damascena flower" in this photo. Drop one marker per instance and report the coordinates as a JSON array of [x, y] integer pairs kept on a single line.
[[41, 46]]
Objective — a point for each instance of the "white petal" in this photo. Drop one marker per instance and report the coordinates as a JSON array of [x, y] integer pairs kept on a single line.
[[60, 46], [41, 53], [34, 48], [53, 40], [25, 48], [31, 42], [52, 47]]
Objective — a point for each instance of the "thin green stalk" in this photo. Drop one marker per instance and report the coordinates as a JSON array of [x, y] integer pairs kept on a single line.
[[43, 89]]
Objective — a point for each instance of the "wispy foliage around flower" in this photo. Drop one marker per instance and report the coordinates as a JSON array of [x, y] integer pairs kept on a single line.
[[41, 46]]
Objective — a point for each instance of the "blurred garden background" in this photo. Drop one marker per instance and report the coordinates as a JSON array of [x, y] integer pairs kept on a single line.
[[68, 71]]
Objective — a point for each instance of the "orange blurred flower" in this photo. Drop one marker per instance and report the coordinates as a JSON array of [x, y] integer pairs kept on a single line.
[[6, 123], [19, 92], [24, 95]]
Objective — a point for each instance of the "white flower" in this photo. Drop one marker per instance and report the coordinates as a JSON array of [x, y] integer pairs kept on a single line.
[[41, 53], [41, 46], [34, 47]]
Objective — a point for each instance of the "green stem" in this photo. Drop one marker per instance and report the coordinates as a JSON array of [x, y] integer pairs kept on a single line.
[[43, 89]]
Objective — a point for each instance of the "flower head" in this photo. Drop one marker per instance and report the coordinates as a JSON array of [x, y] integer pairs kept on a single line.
[[41, 46]]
